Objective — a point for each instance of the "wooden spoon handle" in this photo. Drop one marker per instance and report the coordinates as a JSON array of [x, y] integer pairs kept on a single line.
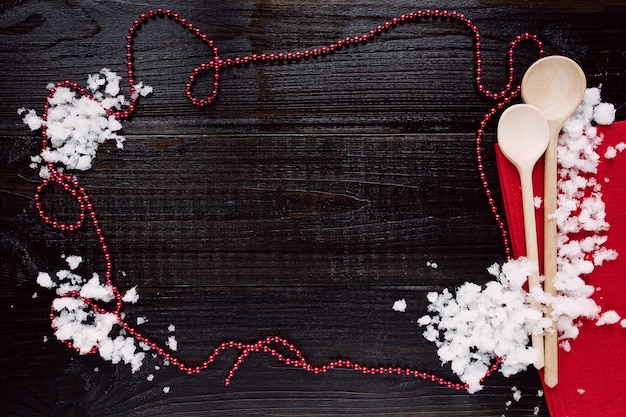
[[532, 253], [550, 375]]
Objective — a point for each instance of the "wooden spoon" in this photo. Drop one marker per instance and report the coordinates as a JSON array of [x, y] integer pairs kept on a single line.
[[523, 136], [556, 85]]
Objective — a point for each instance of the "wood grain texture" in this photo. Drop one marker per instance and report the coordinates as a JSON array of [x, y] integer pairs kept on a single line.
[[303, 204]]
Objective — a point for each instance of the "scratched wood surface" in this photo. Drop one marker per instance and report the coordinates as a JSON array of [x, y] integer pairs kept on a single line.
[[303, 204]]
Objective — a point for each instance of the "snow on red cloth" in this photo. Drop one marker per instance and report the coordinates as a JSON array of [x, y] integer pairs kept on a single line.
[[592, 374]]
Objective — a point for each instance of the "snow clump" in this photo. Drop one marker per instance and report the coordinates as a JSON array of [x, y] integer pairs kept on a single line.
[[78, 124]]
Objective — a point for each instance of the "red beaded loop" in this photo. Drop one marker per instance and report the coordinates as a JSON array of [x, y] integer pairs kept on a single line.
[[213, 66], [70, 186]]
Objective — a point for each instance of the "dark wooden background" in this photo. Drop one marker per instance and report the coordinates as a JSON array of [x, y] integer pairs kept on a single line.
[[303, 204]]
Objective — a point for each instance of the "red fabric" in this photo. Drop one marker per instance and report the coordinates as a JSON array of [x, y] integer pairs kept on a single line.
[[592, 376]]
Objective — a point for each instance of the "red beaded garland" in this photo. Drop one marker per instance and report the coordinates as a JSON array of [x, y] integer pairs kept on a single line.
[[293, 356]]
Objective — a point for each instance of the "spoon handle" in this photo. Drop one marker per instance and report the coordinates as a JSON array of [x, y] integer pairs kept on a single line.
[[532, 253], [550, 375]]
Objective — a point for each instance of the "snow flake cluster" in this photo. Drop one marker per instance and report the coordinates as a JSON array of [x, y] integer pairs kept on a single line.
[[78, 124], [580, 217], [477, 324], [473, 327], [76, 322], [399, 305]]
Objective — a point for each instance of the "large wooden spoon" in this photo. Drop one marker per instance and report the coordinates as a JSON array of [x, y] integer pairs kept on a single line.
[[556, 85], [523, 136]]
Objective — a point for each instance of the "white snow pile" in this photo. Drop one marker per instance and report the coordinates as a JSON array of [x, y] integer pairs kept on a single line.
[[399, 305], [88, 330], [77, 125], [580, 217], [172, 343], [480, 323]]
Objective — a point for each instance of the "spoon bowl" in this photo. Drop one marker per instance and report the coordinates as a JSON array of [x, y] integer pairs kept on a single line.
[[523, 136], [556, 85]]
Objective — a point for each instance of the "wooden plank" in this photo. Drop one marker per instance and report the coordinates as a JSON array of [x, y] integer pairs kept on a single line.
[[303, 204]]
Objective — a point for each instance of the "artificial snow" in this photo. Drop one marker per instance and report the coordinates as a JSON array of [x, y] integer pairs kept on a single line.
[[581, 210], [517, 394], [121, 349], [93, 289], [477, 324], [604, 113], [31, 119], [36, 161], [399, 305], [44, 280], [172, 343], [73, 261], [610, 152], [131, 296], [608, 317], [77, 124], [171, 328], [88, 329], [166, 389]]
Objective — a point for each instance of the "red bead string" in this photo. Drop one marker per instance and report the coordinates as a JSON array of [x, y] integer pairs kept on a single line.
[[273, 346]]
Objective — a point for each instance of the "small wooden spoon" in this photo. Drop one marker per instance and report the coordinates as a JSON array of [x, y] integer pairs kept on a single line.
[[523, 136], [556, 85]]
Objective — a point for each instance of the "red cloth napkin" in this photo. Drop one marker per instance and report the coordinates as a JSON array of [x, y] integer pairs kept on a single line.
[[592, 376]]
